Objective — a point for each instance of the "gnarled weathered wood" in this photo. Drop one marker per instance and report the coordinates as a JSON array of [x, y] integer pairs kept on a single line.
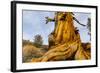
[[67, 42]]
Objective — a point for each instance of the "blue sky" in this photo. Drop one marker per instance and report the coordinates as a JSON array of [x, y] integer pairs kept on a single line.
[[34, 23]]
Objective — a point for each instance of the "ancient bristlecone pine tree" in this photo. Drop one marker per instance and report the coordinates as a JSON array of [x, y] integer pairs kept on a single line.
[[66, 41]]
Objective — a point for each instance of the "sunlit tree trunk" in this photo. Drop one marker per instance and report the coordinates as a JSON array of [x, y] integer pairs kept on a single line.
[[67, 41]]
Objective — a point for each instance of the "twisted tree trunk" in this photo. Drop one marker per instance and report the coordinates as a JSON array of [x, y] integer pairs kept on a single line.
[[67, 41]]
